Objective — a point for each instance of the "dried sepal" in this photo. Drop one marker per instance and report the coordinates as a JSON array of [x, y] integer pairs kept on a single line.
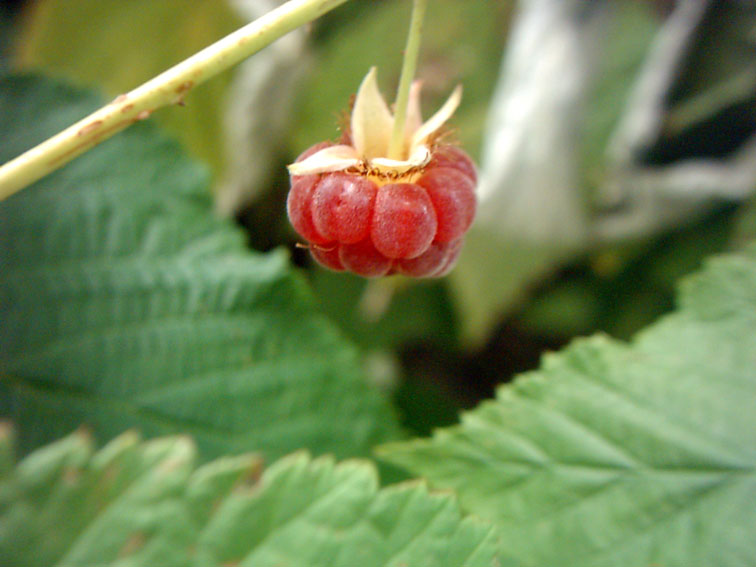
[[371, 125], [442, 115], [371, 119], [332, 158]]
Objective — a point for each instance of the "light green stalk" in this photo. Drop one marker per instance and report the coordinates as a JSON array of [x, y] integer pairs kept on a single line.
[[170, 87], [409, 65]]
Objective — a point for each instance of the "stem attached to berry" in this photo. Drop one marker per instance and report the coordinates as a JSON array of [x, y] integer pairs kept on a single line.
[[170, 87], [409, 64]]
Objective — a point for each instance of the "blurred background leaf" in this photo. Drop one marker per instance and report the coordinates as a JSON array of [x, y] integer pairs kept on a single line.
[[568, 179], [116, 46], [259, 113], [126, 303], [557, 99], [686, 140], [461, 44], [621, 289]]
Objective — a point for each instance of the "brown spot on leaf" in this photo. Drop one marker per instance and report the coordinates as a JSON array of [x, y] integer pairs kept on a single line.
[[135, 542], [71, 475]]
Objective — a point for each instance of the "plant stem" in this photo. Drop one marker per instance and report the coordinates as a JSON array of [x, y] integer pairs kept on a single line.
[[396, 145], [170, 87]]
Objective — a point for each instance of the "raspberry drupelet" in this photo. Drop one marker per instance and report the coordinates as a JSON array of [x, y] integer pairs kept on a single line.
[[364, 212]]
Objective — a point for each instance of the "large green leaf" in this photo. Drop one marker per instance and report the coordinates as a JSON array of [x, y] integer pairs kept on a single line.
[[119, 45], [134, 504], [617, 454], [125, 303]]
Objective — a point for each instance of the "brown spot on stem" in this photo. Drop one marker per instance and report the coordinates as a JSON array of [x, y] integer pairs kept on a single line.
[[127, 108], [89, 128], [184, 87], [144, 115], [88, 142], [181, 91]]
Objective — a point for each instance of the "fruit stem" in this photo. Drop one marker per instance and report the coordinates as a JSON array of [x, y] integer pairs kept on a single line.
[[409, 64], [170, 87]]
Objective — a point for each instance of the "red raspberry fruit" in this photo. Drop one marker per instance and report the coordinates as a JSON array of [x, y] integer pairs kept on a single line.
[[341, 207], [389, 198], [453, 196], [404, 221], [436, 261], [372, 226], [444, 156], [364, 260]]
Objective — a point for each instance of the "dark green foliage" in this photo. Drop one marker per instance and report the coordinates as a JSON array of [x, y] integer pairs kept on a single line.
[[127, 303]]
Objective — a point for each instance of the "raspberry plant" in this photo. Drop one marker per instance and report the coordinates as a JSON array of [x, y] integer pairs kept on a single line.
[[127, 303]]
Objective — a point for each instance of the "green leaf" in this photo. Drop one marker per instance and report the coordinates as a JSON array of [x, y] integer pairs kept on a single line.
[[628, 37], [126, 303], [386, 313], [145, 504], [104, 44], [621, 454], [711, 101]]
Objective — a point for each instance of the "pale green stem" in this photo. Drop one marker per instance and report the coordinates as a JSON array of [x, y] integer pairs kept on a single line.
[[170, 87], [396, 145]]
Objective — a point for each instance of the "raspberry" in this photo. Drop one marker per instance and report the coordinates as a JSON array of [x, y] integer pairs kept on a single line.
[[298, 205], [328, 257], [453, 196], [364, 260], [454, 157], [452, 253], [361, 222], [432, 262], [341, 207], [300, 196], [404, 221]]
